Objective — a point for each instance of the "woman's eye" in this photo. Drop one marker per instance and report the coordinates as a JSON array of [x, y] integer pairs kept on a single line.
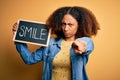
[[63, 24], [70, 24]]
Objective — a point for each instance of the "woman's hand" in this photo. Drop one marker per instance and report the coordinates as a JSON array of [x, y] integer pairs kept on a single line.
[[15, 27], [79, 46]]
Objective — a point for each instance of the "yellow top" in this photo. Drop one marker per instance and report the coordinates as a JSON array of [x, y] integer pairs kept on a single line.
[[61, 63]]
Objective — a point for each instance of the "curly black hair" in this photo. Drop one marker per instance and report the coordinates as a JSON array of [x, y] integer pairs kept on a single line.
[[87, 23]]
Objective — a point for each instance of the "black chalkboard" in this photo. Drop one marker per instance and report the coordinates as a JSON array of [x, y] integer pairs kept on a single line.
[[32, 32]]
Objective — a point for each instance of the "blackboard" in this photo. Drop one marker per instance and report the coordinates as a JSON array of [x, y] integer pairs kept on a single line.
[[32, 32]]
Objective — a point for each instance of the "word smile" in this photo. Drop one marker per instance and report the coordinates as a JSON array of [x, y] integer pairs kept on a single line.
[[32, 32]]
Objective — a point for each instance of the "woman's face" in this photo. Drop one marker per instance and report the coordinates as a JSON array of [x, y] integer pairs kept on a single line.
[[69, 27]]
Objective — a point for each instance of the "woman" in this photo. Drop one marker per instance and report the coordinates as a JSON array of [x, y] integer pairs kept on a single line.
[[67, 54]]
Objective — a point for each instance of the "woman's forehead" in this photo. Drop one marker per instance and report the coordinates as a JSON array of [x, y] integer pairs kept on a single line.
[[69, 19]]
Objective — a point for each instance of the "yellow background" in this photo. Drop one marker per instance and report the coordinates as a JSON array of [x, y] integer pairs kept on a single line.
[[104, 62]]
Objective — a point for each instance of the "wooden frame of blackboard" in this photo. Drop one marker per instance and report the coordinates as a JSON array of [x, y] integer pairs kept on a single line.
[[48, 37]]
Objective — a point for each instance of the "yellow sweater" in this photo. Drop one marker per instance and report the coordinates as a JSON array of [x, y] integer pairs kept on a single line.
[[61, 63]]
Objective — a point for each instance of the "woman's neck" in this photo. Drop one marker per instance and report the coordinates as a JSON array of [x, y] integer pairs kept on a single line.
[[69, 39]]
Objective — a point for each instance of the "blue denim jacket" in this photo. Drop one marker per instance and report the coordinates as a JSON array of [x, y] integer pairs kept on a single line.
[[47, 54]]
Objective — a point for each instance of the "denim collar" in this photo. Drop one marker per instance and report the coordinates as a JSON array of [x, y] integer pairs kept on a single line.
[[58, 42]]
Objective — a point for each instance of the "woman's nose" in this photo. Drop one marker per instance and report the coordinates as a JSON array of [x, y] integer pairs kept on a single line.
[[66, 27]]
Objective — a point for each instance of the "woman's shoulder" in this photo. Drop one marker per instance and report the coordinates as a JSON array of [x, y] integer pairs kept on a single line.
[[52, 39], [55, 41], [85, 39]]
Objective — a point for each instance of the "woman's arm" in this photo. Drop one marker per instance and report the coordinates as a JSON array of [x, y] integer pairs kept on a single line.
[[27, 56]]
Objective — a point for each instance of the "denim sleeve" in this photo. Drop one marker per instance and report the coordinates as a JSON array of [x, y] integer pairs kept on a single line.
[[89, 45], [27, 56]]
